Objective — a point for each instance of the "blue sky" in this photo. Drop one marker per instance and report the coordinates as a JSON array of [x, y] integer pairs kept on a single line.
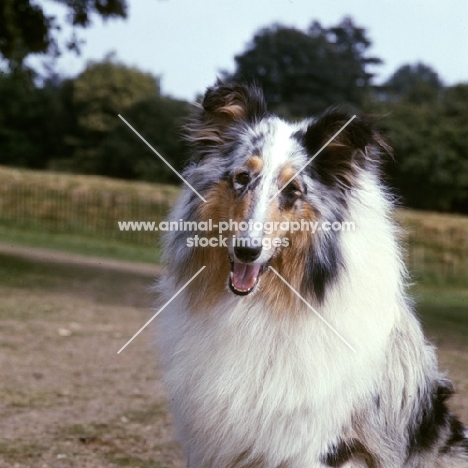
[[187, 42]]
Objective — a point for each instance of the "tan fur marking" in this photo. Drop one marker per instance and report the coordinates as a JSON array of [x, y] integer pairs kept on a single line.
[[234, 110], [255, 164], [207, 288], [285, 175], [289, 262], [211, 284]]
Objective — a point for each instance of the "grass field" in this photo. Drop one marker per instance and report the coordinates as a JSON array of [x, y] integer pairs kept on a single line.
[[79, 214], [49, 205], [437, 245], [82, 244]]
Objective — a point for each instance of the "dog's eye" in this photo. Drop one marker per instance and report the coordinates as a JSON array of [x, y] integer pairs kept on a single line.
[[292, 191], [242, 179]]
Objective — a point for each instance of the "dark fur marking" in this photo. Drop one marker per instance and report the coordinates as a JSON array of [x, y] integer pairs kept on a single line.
[[226, 110], [288, 196], [457, 436], [204, 187], [299, 136], [433, 415], [253, 184], [258, 141], [249, 97], [324, 265], [343, 451], [337, 164], [226, 175], [358, 133], [377, 402]]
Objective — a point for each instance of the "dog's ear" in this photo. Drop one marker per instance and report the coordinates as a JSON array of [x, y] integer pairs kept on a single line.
[[357, 146], [224, 105]]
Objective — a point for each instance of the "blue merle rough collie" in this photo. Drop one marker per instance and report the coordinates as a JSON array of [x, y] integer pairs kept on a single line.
[[256, 378]]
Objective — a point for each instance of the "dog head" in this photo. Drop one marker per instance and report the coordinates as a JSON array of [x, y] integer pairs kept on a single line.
[[261, 176]]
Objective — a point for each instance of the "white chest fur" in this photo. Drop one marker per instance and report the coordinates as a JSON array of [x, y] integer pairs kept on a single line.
[[277, 390]]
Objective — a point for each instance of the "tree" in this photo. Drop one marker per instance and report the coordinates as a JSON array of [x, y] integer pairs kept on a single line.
[[30, 127], [430, 139], [25, 29], [104, 89], [159, 119], [304, 72], [409, 77], [72, 125], [101, 92]]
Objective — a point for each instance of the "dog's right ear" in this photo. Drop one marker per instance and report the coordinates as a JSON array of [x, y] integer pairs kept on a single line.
[[223, 106]]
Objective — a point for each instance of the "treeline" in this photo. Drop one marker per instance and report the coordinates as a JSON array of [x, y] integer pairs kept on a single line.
[[72, 125], [427, 126]]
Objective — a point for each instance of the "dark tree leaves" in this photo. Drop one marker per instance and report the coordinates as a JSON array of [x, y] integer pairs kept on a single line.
[[25, 29], [408, 77], [302, 73], [430, 140]]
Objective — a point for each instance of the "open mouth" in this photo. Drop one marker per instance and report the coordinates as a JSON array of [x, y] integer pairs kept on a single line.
[[244, 277]]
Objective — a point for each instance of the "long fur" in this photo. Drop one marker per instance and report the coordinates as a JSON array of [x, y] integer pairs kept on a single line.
[[256, 379]]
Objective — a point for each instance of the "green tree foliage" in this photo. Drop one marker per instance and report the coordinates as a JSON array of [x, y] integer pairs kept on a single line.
[[107, 88], [25, 28], [159, 120], [73, 125], [98, 95], [29, 122], [415, 82], [303, 72], [430, 139]]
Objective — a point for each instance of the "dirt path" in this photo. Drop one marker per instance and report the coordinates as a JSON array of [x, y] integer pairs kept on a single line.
[[51, 256], [67, 399]]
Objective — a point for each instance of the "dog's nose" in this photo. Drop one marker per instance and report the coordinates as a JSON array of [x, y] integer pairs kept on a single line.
[[247, 254]]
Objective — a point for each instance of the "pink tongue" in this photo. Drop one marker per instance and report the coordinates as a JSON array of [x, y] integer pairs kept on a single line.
[[245, 275]]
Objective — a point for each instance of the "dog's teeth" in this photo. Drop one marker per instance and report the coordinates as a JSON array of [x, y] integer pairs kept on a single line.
[[244, 290]]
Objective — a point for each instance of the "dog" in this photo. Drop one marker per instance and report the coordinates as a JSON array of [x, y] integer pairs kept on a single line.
[[295, 348]]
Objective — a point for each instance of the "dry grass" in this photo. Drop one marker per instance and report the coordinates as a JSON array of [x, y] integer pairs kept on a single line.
[[85, 183], [52, 204], [77, 204], [437, 246]]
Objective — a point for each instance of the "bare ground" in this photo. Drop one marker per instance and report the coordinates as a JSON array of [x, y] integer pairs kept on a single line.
[[67, 399]]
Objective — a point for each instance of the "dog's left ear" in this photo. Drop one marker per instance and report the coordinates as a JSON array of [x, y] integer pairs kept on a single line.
[[357, 146], [223, 106]]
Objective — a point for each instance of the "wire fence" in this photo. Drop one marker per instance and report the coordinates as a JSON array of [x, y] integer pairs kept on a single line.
[[436, 253], [94, 213], [438, 257]]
